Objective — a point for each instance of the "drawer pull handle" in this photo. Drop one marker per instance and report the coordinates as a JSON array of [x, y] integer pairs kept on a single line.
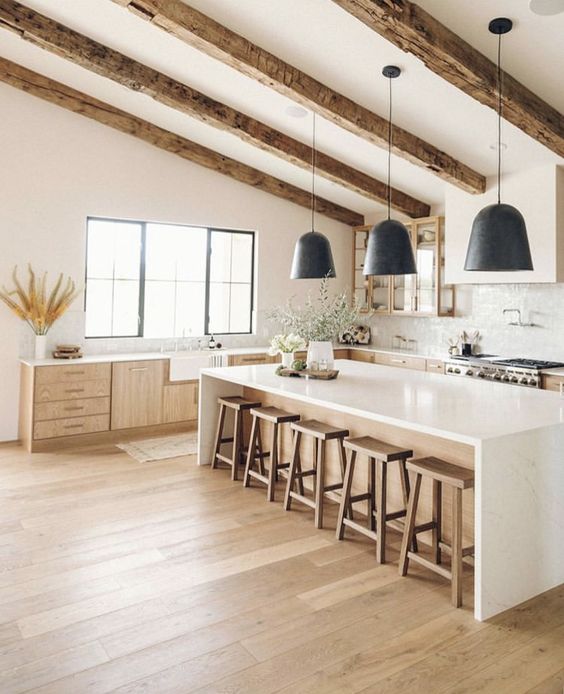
[[74, 373], [398, 361], [73, 409], [75, 390], [139, 368], [73, 426]]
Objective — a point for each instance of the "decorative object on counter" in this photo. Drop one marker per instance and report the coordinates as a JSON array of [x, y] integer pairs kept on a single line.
[[319, 322], [313, 258], [389, 250], [286, 346], [68, 352], [498, 241], [469, 342], [36, 308], [453, 345], [322, 374], [211, 342], [357, 335]]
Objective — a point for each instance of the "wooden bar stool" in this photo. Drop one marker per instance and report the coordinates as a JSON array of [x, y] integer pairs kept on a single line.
[[457, 478], [321, 433], [239, 406], [276, 417], [379, 455]]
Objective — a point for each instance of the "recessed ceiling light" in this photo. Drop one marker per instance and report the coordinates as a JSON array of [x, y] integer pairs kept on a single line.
[[546, 7], [296, 111]]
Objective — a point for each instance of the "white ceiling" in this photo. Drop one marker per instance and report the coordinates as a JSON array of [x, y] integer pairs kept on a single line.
[[323, 40]]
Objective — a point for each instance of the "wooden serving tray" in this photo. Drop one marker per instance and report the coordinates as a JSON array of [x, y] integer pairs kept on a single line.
[[320, 375]]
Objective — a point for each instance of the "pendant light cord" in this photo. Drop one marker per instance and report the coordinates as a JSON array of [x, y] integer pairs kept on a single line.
[[499, 107], [389, 146], [313, 174]]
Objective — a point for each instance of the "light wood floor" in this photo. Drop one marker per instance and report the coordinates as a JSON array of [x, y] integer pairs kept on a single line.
[[166, 577]]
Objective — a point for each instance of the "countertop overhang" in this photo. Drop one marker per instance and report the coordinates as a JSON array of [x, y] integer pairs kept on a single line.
[[458, 409]]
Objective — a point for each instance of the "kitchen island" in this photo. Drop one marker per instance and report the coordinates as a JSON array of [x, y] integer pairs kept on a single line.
[[512, 437]]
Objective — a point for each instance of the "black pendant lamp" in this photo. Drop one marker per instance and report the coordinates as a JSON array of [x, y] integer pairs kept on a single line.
[[313, 258], [389, 250], [498, 242]]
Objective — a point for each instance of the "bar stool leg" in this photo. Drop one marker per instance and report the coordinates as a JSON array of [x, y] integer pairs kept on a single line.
[[219, 434], [409, 525], [319, 484], [259, 450], [236, 457], [345, 499], [372, 491], [437, 520], [405, 490], [343, 463], [250, 453], [292, 470], [456, 558], [381, 487], [273, 472]]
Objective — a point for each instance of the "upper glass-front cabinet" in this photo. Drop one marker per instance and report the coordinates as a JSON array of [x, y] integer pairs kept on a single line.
[[423, 294]]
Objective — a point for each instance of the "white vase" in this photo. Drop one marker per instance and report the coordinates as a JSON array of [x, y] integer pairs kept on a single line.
[[318, 352], [40, 346], [287, 359]]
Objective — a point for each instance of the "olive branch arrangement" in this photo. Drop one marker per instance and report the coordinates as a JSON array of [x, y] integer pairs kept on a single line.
[[37, 308]]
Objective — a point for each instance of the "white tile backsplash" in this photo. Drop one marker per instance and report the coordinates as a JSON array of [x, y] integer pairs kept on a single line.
[[480, 307]]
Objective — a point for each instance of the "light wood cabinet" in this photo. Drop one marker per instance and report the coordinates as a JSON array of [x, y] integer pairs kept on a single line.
[[249, 359], [422, 294], [554, 383], [56, 428], [435, 365], [362, 355], [180, 402], [137, 393]]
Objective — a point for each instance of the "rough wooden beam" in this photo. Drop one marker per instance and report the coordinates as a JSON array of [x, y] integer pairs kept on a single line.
[[78, 102], [410, 28], [205, 34], [109, 63]]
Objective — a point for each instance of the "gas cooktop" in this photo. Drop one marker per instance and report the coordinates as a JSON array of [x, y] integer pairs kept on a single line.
[[516, 371], [529, 363]]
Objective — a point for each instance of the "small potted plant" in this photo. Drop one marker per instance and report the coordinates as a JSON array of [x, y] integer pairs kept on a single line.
[[286, 346], [37, 308], [320, 322]]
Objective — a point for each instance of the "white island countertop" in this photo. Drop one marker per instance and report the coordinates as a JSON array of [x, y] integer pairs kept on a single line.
[[462, 410]]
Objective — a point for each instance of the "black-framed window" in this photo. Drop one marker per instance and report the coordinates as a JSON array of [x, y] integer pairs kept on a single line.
[[145, 279]]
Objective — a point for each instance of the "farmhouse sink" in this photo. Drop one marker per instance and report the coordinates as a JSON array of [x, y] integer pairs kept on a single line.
[[185, 366]]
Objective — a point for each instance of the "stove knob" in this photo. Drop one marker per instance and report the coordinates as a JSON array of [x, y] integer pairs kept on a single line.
[[469, 372], [457, 371], [514, 379], [524, 381], [497, 377], [533, 382], [481, 374], [505, 378]]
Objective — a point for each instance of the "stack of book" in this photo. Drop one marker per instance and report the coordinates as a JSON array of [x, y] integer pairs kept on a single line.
[[67, 352]]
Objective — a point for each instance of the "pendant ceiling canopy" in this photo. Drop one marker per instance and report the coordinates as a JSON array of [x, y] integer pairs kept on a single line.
[[389, 250], [313, 258], [498, 240]]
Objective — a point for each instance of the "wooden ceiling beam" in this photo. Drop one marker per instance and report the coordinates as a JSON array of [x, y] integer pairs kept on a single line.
[[207, 35], [415, 31], [104, 61], [85, 105]]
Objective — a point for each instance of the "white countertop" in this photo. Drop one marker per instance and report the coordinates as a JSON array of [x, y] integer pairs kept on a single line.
[[460, 409]]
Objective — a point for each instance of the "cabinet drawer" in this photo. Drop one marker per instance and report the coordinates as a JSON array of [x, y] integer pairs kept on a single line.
[[72, 373], [435, 365], [361, 355], [555, 383], [51, 392], [71, 426], [341, 354], [180, 403], [404, 362], [242, 359], [71, 408]]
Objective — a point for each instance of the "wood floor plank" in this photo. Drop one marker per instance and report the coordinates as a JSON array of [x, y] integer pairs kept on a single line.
[[554, 684]]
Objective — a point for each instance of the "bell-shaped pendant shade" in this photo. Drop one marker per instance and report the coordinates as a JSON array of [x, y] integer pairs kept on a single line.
[[389, 250], [498, 241], [313, 258]]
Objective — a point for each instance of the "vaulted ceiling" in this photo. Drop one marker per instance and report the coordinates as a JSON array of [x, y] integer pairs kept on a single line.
[[326, 42]]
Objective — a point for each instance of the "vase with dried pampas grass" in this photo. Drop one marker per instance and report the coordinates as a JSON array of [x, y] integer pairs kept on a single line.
[[38, 308]]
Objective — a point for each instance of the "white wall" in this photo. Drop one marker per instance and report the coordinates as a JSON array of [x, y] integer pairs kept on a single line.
[[58, 167]]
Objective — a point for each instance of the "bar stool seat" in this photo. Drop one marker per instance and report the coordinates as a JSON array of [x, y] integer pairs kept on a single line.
[[457, 478], [275, 416], [238, 406], [379, 454], [321, 434]]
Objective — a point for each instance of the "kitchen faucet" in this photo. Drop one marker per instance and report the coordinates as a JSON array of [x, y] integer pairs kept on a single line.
[[519, 321]]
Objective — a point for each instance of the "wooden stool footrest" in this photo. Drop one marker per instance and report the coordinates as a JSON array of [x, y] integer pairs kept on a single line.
[[360, 497], [228, 439], [304, 499], [437, 568], [360, 528], [305, 473], [258, 476], [466, 551], [333, 487]]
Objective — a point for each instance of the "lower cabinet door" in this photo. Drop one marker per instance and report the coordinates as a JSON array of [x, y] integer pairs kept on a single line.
[[137, 393], [180, 402]]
